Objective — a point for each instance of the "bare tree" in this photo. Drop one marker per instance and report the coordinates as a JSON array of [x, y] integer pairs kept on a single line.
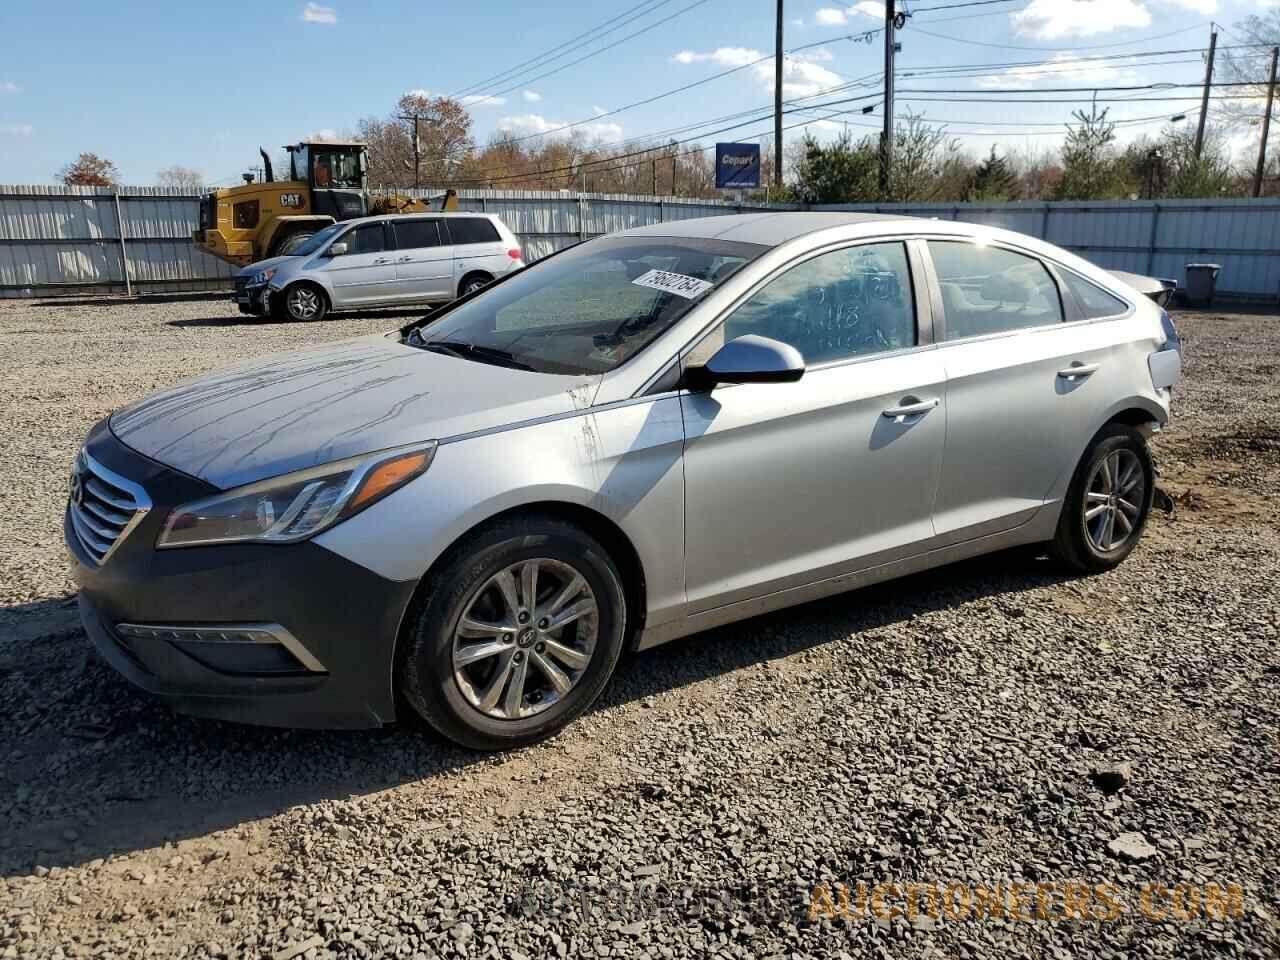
[[1249, 62], [182, 177], [90, 170]]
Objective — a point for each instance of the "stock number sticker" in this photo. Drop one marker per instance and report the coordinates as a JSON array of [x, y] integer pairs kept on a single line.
[[677, 283]]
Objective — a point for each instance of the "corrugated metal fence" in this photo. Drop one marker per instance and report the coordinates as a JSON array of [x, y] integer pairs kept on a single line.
[[1156, 238], [56, 240]]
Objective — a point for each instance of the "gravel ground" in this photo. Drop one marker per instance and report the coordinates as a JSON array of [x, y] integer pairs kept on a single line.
[[989, 723]]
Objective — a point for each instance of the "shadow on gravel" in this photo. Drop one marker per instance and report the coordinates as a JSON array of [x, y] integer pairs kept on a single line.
[[249, 320], [119, 300], [92, 767]]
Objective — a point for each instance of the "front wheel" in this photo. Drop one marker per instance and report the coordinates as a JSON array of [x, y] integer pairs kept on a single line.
[[518, 635], [1108, 502], [304, 302]]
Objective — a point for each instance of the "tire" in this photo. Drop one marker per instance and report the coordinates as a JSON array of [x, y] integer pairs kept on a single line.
[[472, 283], [461, 681], [1082, 543], [290, 242], [303, 302]]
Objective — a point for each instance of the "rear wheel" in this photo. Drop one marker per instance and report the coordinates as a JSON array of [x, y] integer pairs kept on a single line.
[[304, 302], [1108, 502], [472, 283], [518, 635]]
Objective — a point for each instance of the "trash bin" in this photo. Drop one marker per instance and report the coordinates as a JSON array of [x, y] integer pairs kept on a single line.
[[1202, 280]]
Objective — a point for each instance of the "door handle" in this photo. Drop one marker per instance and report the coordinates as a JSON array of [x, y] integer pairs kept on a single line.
[[1079, 370], [405, 260], [383, 260], [911, 407]]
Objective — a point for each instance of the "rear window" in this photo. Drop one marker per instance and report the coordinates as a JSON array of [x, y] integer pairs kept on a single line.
[[411, 234], [472, 230], [1094, 301]]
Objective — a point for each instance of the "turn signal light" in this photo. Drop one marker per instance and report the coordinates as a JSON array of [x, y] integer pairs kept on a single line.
[[514, 253], [385, 477]]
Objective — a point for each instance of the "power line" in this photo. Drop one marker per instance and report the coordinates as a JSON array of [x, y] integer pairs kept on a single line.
[[1023, 46], [597, 52], [957, 6], [546, 56]]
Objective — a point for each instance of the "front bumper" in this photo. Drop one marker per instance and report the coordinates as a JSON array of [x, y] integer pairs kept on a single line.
[[251, 299], [341, 619]]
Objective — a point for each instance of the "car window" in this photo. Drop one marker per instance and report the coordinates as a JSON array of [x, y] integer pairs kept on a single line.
[[591, 308], [846, 303], [988, 289], [1094, 301], [366, 239], [411, 234], [472, 230]]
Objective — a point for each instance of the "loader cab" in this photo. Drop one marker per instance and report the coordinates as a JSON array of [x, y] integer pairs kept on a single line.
[[335, 172]]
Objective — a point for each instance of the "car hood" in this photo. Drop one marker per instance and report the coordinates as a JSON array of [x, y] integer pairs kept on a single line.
[[296, 410], [267, 264]]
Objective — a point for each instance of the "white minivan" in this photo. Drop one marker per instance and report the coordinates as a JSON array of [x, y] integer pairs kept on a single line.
[[381, 261]]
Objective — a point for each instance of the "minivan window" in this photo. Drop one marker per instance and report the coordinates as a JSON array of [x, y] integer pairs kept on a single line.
[[472, 230], [842, 304], [366, 239], [412, 234], [588, 309], [318, 240], [988, 289], [1094, 301]]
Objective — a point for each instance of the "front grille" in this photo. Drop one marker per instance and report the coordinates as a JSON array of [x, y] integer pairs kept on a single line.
[[104, 507], [238, 284]]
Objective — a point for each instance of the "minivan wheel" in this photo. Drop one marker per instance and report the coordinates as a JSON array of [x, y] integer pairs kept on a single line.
[[1108, 502], [517, 634], [304, 302], [473, 283]]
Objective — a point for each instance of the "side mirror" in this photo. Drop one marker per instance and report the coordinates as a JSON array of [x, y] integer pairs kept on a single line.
[[751, 359], [337, 249]]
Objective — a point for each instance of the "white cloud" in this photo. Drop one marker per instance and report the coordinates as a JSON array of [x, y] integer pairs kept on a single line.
[[1049, 19], [801, 75], [418, 92], [16, 129], [325, 133], [315, 13], [830, 17], [9, 86], [533, 123], [1204, 7], [836, 17], [1062, 67], [479, 100], [598, 110], [531, 97]]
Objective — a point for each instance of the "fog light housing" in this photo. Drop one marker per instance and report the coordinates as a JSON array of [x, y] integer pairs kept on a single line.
[[234, 649]]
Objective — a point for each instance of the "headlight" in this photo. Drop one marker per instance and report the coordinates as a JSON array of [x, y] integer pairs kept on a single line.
[[261, 277], [297, 505]]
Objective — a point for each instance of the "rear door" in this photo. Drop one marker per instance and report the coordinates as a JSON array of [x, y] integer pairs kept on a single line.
[[366, 273], [477, 248], [424, 260], [1015, 412]]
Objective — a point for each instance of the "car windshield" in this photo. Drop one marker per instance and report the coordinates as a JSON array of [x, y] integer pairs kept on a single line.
[[318, 240], [589, 309]]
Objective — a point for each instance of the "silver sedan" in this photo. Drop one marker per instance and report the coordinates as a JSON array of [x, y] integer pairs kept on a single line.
[[643, 436]]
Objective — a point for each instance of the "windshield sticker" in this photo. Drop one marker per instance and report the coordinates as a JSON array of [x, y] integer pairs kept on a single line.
[[677, 283]]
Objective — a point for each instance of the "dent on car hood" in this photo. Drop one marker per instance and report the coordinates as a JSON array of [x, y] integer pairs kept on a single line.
[[296, 410]]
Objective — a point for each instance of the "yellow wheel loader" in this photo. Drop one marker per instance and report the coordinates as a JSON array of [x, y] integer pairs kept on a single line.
[[327, 183]]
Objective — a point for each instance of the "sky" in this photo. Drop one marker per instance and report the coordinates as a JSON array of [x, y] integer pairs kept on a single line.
[[150, 85]]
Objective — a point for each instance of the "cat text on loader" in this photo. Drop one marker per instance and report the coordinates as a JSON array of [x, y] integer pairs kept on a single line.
[[327, 182]]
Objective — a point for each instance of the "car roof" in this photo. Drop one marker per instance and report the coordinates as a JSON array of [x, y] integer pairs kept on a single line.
[[378, 217], [769, 228]]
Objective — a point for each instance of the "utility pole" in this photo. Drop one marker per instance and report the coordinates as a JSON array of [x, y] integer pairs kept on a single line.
[[673, 175], [777, 101], [886, 138], [655, 176], [1266, 126], [417, 145], [1204, 99]]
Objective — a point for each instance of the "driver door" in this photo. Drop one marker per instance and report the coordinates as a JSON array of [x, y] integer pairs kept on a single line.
[[366, 273], [790, 483]]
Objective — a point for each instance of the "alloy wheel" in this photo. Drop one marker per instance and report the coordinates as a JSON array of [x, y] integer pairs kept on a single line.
[[1113, 500], [525, 639], [304, 303]]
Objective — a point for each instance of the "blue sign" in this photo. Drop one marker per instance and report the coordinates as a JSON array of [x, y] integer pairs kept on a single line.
[[737, 165]]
